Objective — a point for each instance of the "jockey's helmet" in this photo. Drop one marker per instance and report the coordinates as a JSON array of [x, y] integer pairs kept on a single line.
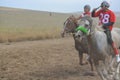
[[87, 6], [105, 4]]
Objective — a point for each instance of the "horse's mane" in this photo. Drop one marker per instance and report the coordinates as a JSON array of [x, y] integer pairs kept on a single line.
[[88, 18], [92, 21]]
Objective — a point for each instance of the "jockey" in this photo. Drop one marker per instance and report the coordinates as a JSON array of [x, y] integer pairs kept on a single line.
[[86, 12], [107, 19]]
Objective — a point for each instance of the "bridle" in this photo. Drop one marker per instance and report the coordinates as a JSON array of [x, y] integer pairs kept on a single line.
[[86, 22]]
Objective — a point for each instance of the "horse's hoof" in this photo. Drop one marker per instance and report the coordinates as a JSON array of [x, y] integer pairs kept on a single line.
[[86, 62], [83, 63]]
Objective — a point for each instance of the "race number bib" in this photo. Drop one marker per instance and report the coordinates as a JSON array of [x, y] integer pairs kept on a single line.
[[104, 18]]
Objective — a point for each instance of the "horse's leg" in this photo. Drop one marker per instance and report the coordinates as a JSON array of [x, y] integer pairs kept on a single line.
[[112, 66], [115, 69], [80, 58], [63, 34], [90, 59], [117, 73], [100, 70], [91, 63], [107, 68]]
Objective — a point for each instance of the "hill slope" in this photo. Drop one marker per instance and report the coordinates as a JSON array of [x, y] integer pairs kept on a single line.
[[12, 17]]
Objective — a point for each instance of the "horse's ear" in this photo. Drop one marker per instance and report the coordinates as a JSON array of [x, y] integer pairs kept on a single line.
[[89, 18], [68, 18]]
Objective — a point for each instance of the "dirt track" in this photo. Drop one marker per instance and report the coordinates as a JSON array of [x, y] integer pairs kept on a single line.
[[42, 60]]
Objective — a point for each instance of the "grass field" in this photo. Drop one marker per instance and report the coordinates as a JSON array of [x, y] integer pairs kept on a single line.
[[21, 24], [10, 34]]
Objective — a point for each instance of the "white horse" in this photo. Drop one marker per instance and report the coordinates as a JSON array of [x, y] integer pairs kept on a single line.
[[100, 50]]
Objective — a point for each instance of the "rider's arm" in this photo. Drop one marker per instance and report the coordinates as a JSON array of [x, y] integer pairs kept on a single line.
[[95, 14]]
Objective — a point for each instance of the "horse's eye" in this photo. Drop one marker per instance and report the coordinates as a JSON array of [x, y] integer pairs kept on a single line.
[[86, 25], [64, 23]]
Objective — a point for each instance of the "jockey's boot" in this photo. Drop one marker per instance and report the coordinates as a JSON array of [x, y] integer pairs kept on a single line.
[[116, 52]]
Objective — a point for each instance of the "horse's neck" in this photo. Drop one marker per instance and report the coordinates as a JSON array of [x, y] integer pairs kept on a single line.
[[97, 38], [91, 39]]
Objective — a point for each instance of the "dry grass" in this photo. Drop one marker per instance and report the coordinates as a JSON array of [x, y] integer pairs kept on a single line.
[[10, 34], [20, 25]]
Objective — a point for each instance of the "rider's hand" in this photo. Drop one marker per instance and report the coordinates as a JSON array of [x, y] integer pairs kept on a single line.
[[95, 9]]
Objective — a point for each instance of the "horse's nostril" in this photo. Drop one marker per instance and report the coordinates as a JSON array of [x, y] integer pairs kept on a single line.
[[78, 35]]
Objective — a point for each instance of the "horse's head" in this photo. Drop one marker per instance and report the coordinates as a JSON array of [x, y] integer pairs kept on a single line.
[[69, 25], [85, 27]]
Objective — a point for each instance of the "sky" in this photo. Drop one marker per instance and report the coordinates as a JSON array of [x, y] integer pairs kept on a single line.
[[63, 6]]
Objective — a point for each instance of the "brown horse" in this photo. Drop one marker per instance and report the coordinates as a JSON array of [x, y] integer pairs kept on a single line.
[[82, 47]]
